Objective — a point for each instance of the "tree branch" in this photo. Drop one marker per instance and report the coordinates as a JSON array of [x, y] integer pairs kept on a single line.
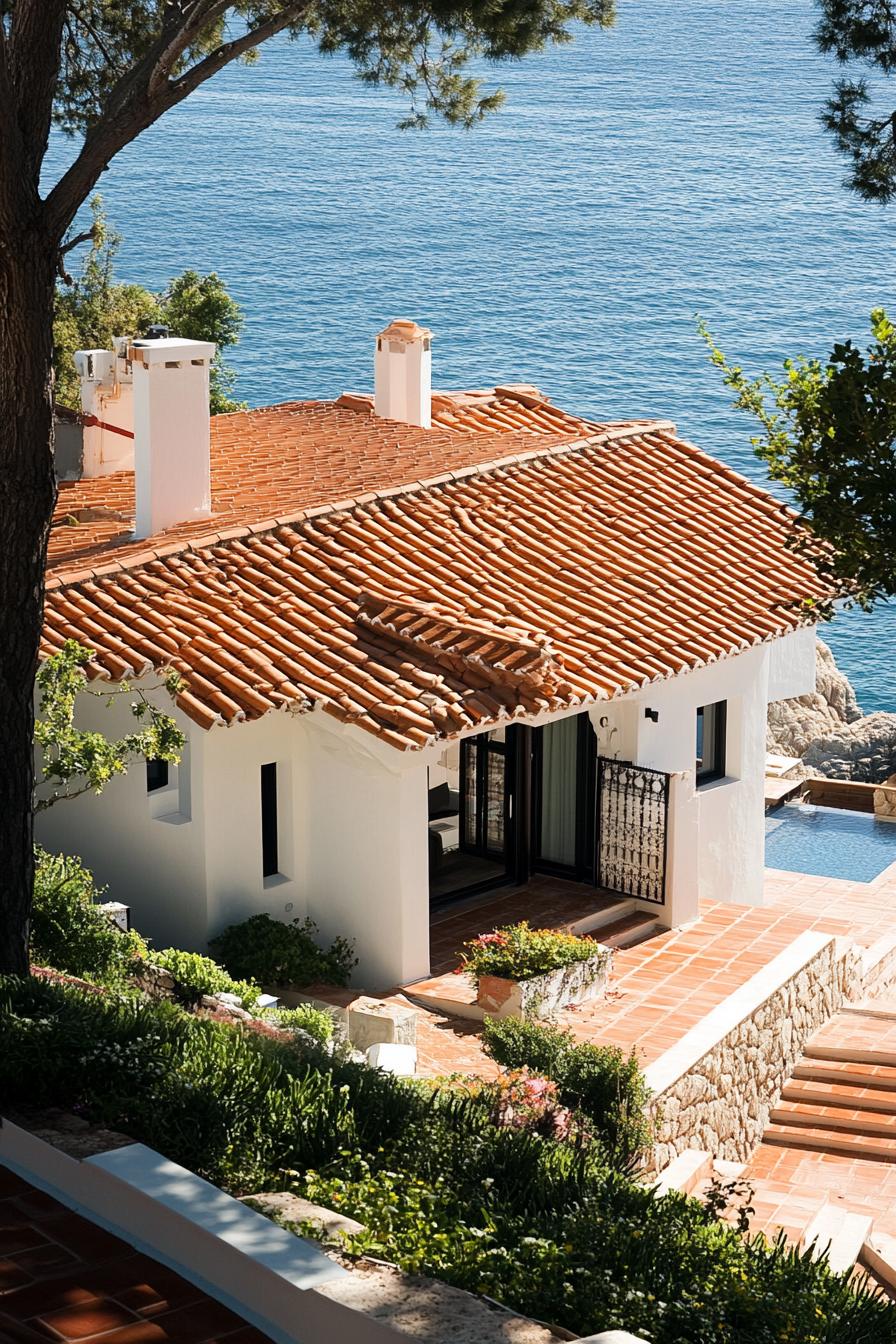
[[86, 237], [121, 124]]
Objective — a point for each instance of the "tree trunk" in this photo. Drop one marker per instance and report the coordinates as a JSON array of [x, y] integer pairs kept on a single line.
[[27, 496]]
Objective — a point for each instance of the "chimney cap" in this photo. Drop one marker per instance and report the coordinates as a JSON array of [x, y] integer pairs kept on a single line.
[[169, 349], [405, 329]]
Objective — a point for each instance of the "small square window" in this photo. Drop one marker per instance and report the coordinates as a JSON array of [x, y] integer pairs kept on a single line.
[[711, 753], [156, 775]]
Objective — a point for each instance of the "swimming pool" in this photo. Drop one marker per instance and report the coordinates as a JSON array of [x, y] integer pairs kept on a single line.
[[829, 842]]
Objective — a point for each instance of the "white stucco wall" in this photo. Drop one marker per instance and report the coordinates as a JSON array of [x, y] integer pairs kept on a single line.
[[148, 848]]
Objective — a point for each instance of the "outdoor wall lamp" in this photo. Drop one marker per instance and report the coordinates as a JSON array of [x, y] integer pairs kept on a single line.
[[652, 714]]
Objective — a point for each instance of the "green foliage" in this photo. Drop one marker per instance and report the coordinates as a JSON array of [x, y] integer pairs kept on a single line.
[[75, 760], [69, 932], [95, 307], [517, 952], [276, 953], [858, 31], [600, 1081], [200, 975], [315, 1022], [829, 436], [612, 1258], [545, 1227]]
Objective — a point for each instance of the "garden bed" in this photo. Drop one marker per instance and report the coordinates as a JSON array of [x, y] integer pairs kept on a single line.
[[522, 972]]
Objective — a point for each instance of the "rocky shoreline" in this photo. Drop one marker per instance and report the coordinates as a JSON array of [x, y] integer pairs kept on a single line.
[[828, 731]]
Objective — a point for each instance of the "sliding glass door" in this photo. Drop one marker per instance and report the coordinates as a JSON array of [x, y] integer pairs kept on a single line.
[[564, 760], [471, 801]]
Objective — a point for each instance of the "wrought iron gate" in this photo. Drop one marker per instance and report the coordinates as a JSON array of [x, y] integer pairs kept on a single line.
[[632, 820]]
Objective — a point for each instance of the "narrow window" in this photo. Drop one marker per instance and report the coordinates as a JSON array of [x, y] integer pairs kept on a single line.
[[711, 722], [156, 775], [269, 857]]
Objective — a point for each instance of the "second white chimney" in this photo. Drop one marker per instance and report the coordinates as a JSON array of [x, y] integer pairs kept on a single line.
[[171, 431], [402, 368]]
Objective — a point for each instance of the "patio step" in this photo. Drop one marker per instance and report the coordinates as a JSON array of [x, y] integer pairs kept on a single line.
[[627, 932], [597, 920], [824, 1140], [845, 1074], [838, 1095], [811, 1115], [851, 1054]]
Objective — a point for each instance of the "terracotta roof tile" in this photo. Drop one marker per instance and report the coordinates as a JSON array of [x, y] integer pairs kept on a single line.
[[421, 583]]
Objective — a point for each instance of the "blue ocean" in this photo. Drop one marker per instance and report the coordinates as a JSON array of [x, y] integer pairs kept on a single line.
[[671, 166]]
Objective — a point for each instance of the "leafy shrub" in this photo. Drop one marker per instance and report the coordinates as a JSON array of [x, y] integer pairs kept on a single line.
[[599, 1080], [517, 952], [200, 975], [69, 931], [276, 953], [317, 1022], [544, 1227], [616, 1258]]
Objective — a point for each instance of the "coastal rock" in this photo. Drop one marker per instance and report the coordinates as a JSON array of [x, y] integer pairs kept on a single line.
[[829, 732]]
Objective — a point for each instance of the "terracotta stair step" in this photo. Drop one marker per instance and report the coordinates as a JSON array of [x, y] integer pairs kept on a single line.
[[627, 932], [845, 1075], [851, 1053], [837, 1095], [822, 1140], [856, 1121]]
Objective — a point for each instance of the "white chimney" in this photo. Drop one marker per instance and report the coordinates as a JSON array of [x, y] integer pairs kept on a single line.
[[108, 410], [402, 368], [171, 431]]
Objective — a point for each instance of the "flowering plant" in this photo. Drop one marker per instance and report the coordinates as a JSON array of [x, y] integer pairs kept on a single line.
[[518, 1099], [517, 952]]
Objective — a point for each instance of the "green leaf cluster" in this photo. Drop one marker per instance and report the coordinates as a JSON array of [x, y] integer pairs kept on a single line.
[[828, 434], [69, 931], [861, 33], [95, 307], [198, 975], [76, 760], [274, 952]]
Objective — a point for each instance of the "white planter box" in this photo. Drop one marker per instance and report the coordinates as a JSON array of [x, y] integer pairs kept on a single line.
[[543, 995]]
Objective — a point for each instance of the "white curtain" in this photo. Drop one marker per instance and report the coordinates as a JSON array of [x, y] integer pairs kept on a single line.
[[558, 791]]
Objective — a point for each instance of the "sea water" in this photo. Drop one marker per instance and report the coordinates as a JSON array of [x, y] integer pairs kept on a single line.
[[671, 166]]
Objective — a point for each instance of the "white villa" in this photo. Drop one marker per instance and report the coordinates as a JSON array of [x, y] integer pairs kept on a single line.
[[431, 643]]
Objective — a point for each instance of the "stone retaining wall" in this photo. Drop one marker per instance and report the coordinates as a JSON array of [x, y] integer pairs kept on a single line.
[[716, 1087]]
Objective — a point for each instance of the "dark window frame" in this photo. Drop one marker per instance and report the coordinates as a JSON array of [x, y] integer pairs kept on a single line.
[[715, 767], [157, 774], [270, 837]]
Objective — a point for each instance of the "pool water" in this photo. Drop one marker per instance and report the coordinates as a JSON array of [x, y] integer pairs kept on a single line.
[[829, 842]]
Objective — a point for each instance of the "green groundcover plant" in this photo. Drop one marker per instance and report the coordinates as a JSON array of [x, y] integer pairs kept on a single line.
[[276, 953], [199, 975], [68, 929], [600, 1081], [315, 1022], [550, 1228], [517, 952]]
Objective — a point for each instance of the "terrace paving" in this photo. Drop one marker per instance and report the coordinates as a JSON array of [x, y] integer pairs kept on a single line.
[[663, 987], [62, 1279]]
